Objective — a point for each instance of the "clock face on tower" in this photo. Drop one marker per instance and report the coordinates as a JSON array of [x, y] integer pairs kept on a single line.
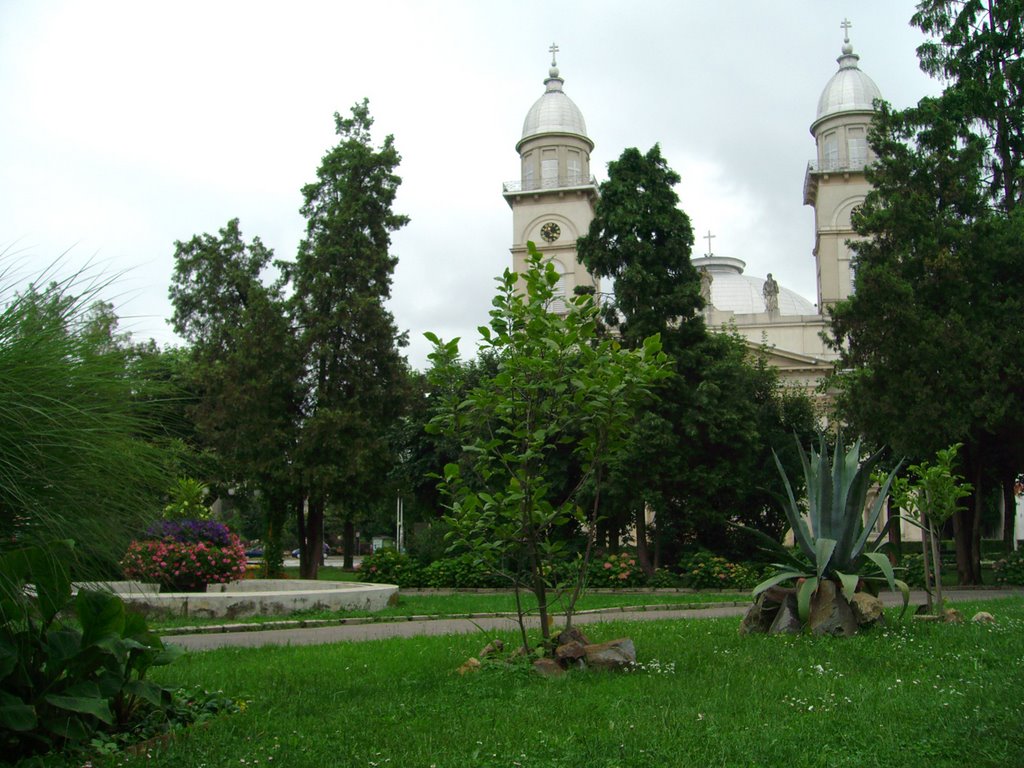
[[550, 231]]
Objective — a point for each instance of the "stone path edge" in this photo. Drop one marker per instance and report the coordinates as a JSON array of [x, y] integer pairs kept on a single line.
[[262, 626]]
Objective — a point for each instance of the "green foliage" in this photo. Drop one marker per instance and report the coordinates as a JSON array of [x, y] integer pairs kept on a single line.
[[243, 366], [1009, 570], [615, 572], [928, 340], [700, 455], [389, 566], [706, 570], [81, 446], [932, 493], [354, 377], [833, 532], [662, 578], [63, 685], [556, 388], [460, 572], [188, 500]]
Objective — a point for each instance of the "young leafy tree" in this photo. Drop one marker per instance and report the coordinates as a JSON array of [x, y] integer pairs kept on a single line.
[[243, 367], [354, 376], [930, 339], [555, 386], [932, 493]]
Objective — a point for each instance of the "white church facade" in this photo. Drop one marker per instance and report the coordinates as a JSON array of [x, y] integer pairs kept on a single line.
[[553, 203]]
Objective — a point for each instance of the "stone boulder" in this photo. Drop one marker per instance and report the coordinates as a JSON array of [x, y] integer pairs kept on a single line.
[[830, 612], [615, 654], [548, 668], [868, 610], [572, 634], [787, 620], [983, 617], [493, 648], [569, 652], [470, 665]]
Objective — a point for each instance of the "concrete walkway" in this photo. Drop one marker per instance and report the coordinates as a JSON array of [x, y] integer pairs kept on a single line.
[[420, 627]]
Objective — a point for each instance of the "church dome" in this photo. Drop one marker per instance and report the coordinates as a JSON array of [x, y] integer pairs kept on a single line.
[[554, 112], [733, 291], [849, 90]]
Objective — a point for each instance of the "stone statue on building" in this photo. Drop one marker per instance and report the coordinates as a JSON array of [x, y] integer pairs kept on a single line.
[[706, 278], [771, 294]]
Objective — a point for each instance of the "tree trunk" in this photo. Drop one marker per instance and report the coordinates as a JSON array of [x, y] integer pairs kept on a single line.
[[642, 552], [895, 531], [976, 536], [311, 548], [926, 562], [936, 539], [348, 544], [1009, 514]]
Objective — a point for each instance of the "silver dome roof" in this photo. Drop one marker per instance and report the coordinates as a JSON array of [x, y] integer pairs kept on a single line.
[[733, 291], [554, 112], [849, 90]]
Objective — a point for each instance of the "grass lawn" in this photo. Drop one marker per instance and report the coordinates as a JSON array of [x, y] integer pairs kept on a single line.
[[914, 694], [463, 603]]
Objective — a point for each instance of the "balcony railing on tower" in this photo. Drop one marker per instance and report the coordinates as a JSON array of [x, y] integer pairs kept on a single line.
[[561, 182]]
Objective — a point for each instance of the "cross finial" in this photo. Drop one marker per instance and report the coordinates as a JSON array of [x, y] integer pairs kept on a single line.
[[709, 237], [554, 50], [846, 30]]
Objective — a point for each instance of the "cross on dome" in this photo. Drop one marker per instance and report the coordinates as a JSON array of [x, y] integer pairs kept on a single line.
[[845, 26], [554, 49], [708, 237]]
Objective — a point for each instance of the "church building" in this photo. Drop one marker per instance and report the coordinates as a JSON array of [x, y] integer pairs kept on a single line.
[[553, 203]]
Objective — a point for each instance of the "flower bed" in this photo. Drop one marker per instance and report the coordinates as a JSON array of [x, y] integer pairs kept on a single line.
[[187, 556]]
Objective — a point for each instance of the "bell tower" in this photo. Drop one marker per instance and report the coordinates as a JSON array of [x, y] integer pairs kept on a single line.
[[553, 201], [835, 183]]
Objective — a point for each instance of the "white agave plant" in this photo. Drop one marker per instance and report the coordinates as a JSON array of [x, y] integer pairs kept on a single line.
[[833, 532]]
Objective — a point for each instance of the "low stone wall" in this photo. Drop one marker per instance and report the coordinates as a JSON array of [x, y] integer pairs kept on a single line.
[[257, 597]]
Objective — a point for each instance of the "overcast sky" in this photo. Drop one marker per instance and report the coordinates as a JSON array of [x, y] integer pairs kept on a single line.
[[129, 125]]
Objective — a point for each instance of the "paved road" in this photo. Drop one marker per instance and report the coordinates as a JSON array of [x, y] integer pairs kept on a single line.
[[406, 628]]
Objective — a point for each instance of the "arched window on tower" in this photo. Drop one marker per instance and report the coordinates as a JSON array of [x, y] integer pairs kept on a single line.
[[857, 145], [830, 152], [574, 168], [558, 303], [528, 171], [549, 168]]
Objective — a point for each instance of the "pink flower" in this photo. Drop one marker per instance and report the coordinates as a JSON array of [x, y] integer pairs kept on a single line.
[[607, 566]]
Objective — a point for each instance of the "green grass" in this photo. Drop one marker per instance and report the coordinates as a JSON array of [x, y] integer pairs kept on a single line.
[[463, 603], [915, 694]]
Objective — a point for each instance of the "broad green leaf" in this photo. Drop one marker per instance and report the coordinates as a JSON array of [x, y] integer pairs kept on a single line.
[[101, 615], [803, 598], [775, 579], [15, 714], [849, 582]]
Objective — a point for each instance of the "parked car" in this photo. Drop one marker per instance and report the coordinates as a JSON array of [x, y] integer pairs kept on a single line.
[[327, 551]]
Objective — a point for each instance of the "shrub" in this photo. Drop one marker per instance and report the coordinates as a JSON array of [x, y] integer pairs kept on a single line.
[[190, 532], [662, 578], [461, 571], [615, 572], [706, 570], [388, 566], [185, 566], [62, 685], [913, 570], [1010, 569]]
